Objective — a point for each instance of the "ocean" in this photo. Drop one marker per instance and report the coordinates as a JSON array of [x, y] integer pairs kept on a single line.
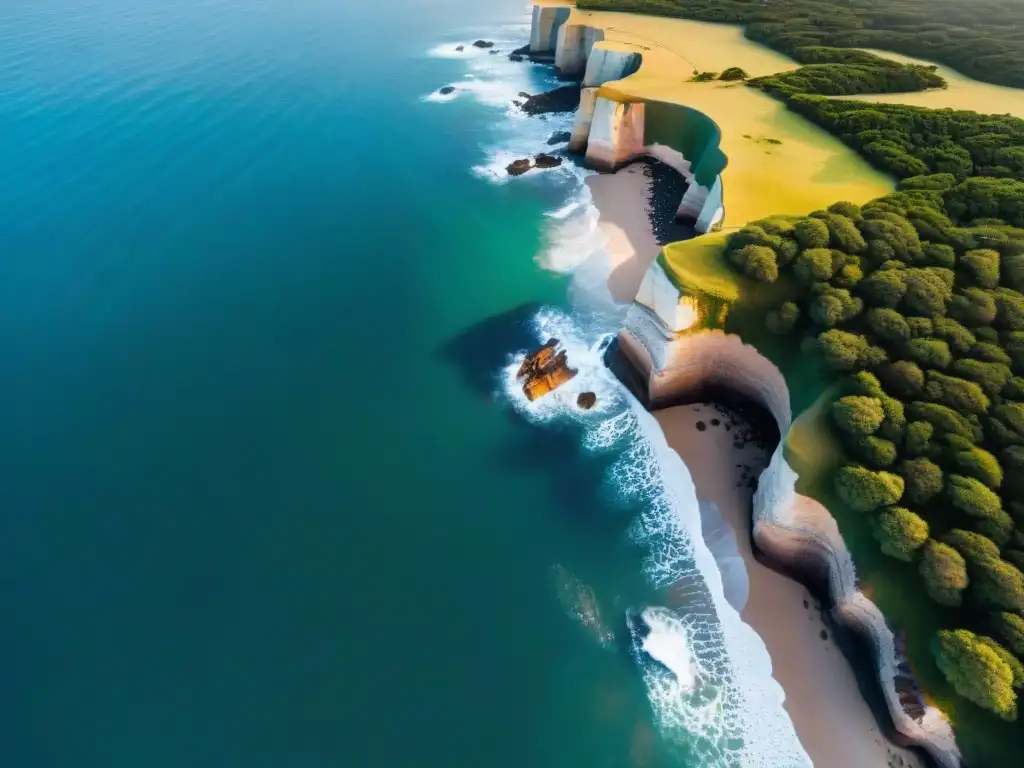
[[269, 495]]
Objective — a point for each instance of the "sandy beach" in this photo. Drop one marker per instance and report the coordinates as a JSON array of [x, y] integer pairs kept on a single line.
[[833, 721]]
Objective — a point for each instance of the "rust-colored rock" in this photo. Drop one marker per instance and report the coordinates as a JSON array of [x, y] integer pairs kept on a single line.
[[586, 400], [519, 167], [544, 370], [547, 161]]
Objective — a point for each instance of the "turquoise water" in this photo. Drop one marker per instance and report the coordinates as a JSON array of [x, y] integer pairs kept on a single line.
[[265, 500]]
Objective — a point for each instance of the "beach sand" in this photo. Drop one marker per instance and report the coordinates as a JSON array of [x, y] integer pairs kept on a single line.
[[832, 720]]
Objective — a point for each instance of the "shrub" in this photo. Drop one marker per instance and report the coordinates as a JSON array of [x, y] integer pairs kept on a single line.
[[938, 181], [959, 338], [991, 377], [895, 424], [900, 532], [858, 415], [939, 255], [959, 394], [928, 291], [782, 320], [758, 262], [864, 490], [876, 451], [971, 497], [843, 233], [848, 276], [918, 442], [903, 378], [930, 353], [1013, 415], [945, 420], [920, 327], [1010, 627], [973, 307], [865, 383], [832, 306], [1009, 309], [990, 352], [980, 268], [888, 324], [974, 547], [735, 73], [846, 208], [848, 351], [998, 584], [922, 477], [980, 464], [944, 573], [1014, 388], [1011, 661], [813, 265], [885, 288], [811, 233], [976, 672]]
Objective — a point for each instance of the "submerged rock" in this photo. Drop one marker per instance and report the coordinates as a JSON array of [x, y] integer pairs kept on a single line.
[[547, 161], [494, 52], [544, 370], [483, 44], [460, 48], [519, 167], [446, 90], [586, 400], [520, 53], [563, 99], [559, 137]]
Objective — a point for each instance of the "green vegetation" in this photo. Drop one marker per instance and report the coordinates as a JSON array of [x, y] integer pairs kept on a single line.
[[980, 39], [848, 73], [732, 74], [977, 671]]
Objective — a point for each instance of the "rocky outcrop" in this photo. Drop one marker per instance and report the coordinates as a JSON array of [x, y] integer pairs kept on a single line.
[[544, 370], [563, 99], [546, 161], [446, 90], [483, 44], [795, 533], [541, 162], [559, 137], [519, 167], [586, 400]]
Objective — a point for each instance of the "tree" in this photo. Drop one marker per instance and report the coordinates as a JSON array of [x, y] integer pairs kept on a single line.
[[1008, 658], [976, 672], [974, 547], [733, 73], [894, 426], [758, 262], [858, 415], [944, 573], [959, 338], [885, 288], [971, 497], [973, 307], [782, 320], [888, 324], [939, 255], [922, 478], [814, 265], [918, 442], [991, 377], [930, 353], [900, 532], [928, 291], [998, 584], [864, 490], [1010, 627], [831, 306], [979, 464], [903, 378], [945, 420], [1013, 415], [843, 232], [848, 210], [959, 394], [875, 451], [980, 268], [811, 234], [865, 383], [848, 351]]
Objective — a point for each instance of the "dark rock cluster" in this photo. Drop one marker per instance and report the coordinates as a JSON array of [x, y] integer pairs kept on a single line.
[[565, 98], [542, 161], [447, 89], [586, 400], [483, 44], [667, 189], [559, 137]]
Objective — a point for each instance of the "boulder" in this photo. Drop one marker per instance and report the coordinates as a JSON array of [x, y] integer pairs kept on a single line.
[[547, 161], [460, 48], [446, 90], [586, 400], [517, 103], [544, 370], [559, 137], [519, 167], [563, 99], [524, 94], [494, 52], [520, 53], [483, 44]]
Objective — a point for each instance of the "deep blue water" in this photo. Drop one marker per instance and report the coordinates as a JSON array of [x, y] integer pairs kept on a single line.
[[259, 502]]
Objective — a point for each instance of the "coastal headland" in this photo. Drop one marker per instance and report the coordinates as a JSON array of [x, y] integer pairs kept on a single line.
[[744, 156]]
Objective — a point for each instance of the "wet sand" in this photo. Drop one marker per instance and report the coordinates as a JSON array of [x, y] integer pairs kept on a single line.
[[834, 723]]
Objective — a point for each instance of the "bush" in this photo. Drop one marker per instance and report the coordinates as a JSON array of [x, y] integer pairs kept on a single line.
[[885, 288], [865, 383], [858, 415], [888, 324], [971, 497], [864, 490], [991, 377], [980, 464], [929, 353], [922, 478], [918, 442], [959, 338], [928, 291], [734, 73], [1010, 627], [832, 306], [848, 276], [846, 208], [758, 262], [920, 327], [945, 420], [903, 378], [848, 351], [990, 351], [875, 451], [1013, 415], [813, 265], [900, 532], [974, 547], [939, 255], [980, 268], [782, 320], [1011, 661], [976, 672], [843, 233], [1014, 388], [998, 584], [938, 181], [973, 307], [959, 394], [894, 426], [944, 573], [811, 233], [1009, 309]]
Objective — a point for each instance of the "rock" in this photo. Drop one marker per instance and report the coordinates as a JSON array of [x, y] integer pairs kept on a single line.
[[520, 53], [515, 57], [460, 48], [483, 44], [446, 90], [547, 161], [519, 167], [494, 52], [544, 370], [524, 94], [563, 99], [517, 103], [586, 400], [559, 137]]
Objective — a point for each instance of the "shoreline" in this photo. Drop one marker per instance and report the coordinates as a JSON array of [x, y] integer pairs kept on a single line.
[[833, 720]]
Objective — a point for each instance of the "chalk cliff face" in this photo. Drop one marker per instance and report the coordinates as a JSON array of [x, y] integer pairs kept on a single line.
[[545, 27], [573, 47], [663, 342]]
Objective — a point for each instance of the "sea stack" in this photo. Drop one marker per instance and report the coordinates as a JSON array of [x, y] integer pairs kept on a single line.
[[544, 370]]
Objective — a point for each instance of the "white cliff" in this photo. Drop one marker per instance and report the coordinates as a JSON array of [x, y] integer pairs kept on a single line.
[[547, 20]]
